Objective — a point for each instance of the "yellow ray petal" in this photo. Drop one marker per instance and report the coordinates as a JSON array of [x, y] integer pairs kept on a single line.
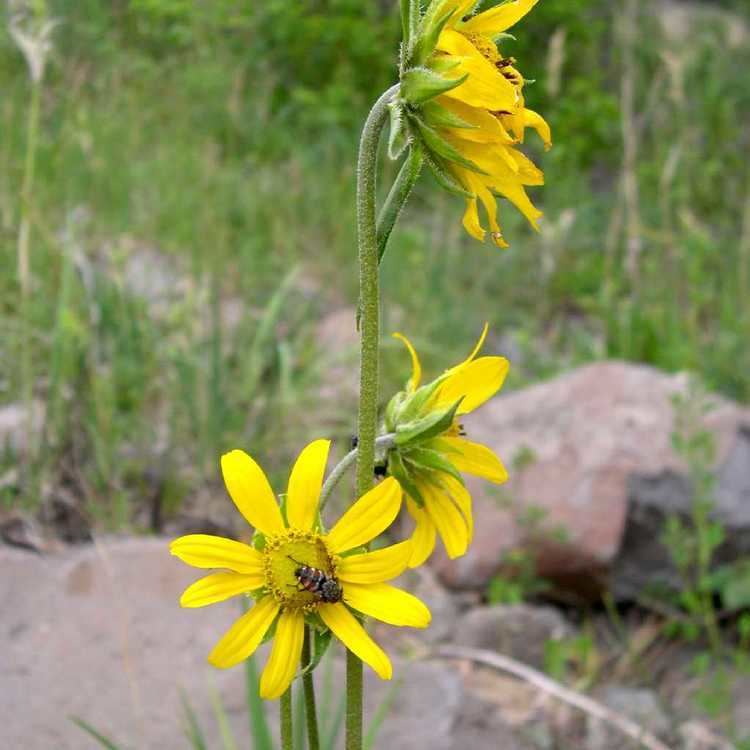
[[388, 604], [473, 226], [461, 499], [423, 539], [285, 655], [498, 19], [487, 128], [241, 640], [373, 513], [207, 551], [219, 586], [477, 382], [533, 120], [375, 567], [475, 458], [527, 171], [448, 520], [485, 86], [249, 488], [416, 367], [477, 348], [348, 630], [471, 220], [304, 485]]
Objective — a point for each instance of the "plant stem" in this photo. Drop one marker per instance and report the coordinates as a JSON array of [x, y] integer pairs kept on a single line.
[[383, 442], [311, 716], [369, 299], [285, 719]]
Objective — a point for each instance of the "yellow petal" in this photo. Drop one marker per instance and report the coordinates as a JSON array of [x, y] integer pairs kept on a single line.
[[533, 120], [477, 382], [241, 640], [423, 539], [285, 655], [487, 128], [304, 485], [471, 220], [372, 514], [485, 86], [477, 184], [498, 19], [375, 567], [253, 496], [476, 459], [207, 551], [474, 351], [461, 499], [388, 604], [528, 172], [219, 586], [348, 630], [449, 521], [416, 368]]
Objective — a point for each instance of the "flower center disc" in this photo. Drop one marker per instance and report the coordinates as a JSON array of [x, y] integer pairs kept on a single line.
[[283, 555]]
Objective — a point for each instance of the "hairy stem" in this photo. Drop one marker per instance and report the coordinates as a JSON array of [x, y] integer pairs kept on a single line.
[[311, 716], [369, 298], [285, 719]]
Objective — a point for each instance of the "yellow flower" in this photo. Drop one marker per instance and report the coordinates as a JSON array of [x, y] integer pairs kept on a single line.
[[430, 469], [274, 575], [471, 126]]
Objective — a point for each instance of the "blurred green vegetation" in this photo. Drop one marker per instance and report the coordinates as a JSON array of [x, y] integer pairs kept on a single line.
[[212, 145]]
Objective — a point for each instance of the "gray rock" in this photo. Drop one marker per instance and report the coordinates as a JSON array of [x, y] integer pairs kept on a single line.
[[480, 724], [642, 706], [519, 630], [18, 424]]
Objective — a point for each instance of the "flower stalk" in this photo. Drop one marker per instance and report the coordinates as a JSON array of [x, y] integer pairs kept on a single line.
[[285, 720], [369, 300], [311, 716]]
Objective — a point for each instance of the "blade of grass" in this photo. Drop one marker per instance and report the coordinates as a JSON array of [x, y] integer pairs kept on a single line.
[[381, 713], [193, 730], [98, 736], [256, 714], [222, 719]]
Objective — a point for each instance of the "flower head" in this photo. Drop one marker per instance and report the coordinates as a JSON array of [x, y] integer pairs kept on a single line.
[[462, 104], [431, 448], [298, 573]]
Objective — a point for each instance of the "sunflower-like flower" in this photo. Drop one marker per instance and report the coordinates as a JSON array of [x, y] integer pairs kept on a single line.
[[297, 573], [462, 104], [431, 449]]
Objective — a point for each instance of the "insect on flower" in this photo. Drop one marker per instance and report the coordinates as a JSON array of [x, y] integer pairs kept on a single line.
[[325, 587]]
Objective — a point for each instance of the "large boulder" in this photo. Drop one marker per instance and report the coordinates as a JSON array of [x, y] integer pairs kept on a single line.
[[578, 447]]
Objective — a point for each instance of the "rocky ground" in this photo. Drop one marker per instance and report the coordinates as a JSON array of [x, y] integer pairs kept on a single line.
[[95, 631]]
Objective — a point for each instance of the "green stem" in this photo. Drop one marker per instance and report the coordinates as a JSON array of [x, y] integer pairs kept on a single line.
[[369, 297], [311, 716], [397, 197], [285, 719]]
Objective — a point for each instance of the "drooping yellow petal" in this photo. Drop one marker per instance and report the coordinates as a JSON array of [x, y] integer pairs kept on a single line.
[[219, 586], [533, 120], [471, 220], [477, 348], [476, 382], [348, 630], [241, 640], [461, 499], [416, 367], [253, 496], [485, 86], [285, 655], [207, 551], [375, 567], [498, 19], [423, 538], [388, 604], [487, 128], [305, 482], [449, 521], [528, 172], [369, 516], [478, 185], [475, 458]]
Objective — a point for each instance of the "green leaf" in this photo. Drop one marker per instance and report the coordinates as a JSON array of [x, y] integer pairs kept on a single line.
[[428, 459], [419, 85], [98, 736], [436, 144], [413, 405], [397, 469], [429, 32], [398, 137], [392, 410], [444, 178], [322, 639], [437, 116], [430, 426]]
